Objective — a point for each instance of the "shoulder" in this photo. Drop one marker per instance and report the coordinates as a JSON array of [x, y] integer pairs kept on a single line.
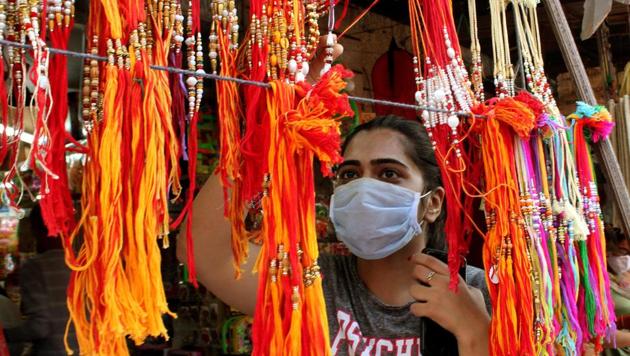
[[334, 265], [336, 271]]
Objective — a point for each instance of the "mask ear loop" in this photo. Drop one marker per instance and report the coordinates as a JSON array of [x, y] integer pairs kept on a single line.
[[421, 204]]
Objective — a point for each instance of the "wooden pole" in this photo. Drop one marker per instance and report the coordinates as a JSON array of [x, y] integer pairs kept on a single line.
[[585, 92]]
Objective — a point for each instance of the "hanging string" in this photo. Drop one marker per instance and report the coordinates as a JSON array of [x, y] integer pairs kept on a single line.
[[261, 84], [358, 18]]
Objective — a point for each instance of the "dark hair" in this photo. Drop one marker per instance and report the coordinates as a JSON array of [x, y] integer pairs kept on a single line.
[[419, 149]]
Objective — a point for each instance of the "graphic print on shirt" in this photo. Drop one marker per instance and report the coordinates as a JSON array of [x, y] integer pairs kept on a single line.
[[350, 339]]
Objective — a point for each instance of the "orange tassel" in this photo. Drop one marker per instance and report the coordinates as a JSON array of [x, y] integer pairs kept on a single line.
[[116, 289], [505, 252], [290, 316]]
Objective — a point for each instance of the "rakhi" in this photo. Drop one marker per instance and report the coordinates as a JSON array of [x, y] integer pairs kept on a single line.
[[442, 82], [116, 288], [476, 76], [290, 316], [11, 194], [223, 47], [599, 321], [285, 128], [504, 254], [56, 202]]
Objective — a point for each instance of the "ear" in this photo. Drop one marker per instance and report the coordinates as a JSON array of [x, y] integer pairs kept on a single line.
[[433, 205]]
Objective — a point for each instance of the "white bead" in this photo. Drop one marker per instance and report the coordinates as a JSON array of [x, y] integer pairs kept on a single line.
[[225, 13], [190, 41], [191, 100], [450, 52], [3, 25], [213, 55], [305, 68], [43, 82], [67, 11], [191, 81], [299, 77], [179, 18], [439, 95], [212, 37], [235, 28], [326, 68], [447, 43], [425, 115], [418, 96], [3, 17], [330, 40], [200, 72], [67, 4], [292, 66], [453, 121]]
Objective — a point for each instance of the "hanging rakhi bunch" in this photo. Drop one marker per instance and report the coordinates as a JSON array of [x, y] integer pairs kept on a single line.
[[549, 251], [285, 128], [188, 137], [13, 125], [116, 288], [56, 202], [6, 140], [598, 318], [476, 75], [21, 21], [223, 46], [290, 315], [442, 82], [584, 318], [279, 47]]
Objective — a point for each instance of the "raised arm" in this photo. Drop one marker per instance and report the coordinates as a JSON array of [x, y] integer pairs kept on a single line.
[[213, 252], [211, 233]]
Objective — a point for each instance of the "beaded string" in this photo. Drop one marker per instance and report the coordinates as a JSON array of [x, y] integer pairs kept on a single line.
[[442, 82], [56, 203], [476, 76]]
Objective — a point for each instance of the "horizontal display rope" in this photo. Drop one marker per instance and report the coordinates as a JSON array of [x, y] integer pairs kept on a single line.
[[357, 99]]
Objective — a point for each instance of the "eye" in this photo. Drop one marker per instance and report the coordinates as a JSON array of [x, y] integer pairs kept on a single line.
[[347, 174], [389, 174]]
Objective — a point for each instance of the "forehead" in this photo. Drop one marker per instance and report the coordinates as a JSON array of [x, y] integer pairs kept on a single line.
[[376, 144]]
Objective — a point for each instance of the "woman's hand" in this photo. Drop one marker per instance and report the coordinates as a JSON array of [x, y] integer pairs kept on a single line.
[[317, 63], [463, 313]]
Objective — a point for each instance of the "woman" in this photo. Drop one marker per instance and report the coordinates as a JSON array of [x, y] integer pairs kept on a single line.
[[387, 206]]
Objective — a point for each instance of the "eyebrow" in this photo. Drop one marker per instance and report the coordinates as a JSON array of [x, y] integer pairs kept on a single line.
[[374, 162], [379, 161]]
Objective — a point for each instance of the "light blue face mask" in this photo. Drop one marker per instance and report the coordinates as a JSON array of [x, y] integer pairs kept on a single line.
[[375, 219]]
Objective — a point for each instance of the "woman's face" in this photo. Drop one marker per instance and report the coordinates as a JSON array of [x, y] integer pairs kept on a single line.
[[380, 154]]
